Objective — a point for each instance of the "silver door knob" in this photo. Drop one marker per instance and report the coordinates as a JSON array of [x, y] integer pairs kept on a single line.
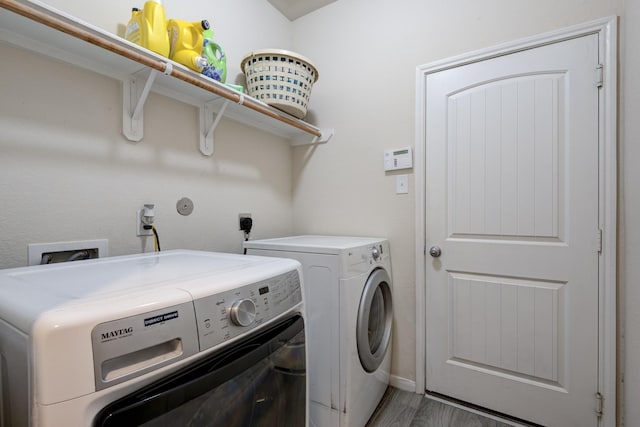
[[435, 251]]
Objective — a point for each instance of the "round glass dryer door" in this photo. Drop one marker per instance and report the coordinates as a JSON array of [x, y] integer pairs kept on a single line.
[[373, 330]]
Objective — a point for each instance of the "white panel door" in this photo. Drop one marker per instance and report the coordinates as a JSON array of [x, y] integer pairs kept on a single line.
[[512, 203]]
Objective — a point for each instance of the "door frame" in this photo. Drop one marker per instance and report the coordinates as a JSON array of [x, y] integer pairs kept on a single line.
[[606, 28]]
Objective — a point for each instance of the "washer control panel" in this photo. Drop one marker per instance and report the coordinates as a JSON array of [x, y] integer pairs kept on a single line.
[[243, 312], [224, 316], [129, 347]]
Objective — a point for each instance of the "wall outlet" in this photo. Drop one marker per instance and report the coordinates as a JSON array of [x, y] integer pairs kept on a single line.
[[47, 253], [242, 221], [140, 231]]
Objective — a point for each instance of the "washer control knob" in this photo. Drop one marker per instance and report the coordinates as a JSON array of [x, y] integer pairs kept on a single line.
[[375, 253], [243, 312]]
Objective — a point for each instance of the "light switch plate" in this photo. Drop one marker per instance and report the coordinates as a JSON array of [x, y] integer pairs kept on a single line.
[[402, 184]]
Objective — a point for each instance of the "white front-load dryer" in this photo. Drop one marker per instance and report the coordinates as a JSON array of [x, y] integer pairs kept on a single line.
[[348, 302]]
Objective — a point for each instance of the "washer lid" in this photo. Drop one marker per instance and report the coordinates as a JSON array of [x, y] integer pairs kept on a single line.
[[106, 276], [313, 243], [125, 281]]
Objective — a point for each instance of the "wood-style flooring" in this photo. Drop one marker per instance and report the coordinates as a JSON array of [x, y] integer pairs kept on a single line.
[[405, 409]]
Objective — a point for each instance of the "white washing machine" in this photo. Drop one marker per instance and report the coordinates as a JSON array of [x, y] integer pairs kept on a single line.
[[348, 301], [169, 339]]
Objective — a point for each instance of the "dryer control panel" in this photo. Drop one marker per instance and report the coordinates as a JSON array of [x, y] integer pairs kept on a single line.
[[226, 315], [360, 260]]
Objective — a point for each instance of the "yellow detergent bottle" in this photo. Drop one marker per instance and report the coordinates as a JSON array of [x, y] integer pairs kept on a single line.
[[186, 43], [148, 28]]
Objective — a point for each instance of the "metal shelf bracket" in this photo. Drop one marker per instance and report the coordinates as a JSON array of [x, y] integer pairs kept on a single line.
[[327, 133], [135, 91], [208, 125]]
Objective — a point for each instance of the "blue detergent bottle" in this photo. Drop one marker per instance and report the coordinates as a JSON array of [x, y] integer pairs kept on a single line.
[[216, 59]]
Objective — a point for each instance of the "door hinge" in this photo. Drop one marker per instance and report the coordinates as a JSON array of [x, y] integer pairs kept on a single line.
[[599, 404], [599, 76], [599, 240]]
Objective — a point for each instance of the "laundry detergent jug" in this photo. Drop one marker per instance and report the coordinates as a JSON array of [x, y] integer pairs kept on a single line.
[[216, 67], [186, 43], [148, 28]]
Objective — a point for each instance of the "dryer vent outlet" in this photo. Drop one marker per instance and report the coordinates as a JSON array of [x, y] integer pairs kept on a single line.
[[66, 256], [50, 253]]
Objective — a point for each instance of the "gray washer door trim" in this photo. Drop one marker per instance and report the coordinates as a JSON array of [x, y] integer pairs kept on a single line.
[[371, 359]]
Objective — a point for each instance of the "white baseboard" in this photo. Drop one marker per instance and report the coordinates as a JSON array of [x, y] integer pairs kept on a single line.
[[404, 384]]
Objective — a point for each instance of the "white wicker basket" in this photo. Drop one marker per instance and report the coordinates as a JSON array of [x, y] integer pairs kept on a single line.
[[280, 78]]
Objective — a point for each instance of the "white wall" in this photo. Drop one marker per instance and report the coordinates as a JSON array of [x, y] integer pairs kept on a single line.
[[67, 173], [367, 52]]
